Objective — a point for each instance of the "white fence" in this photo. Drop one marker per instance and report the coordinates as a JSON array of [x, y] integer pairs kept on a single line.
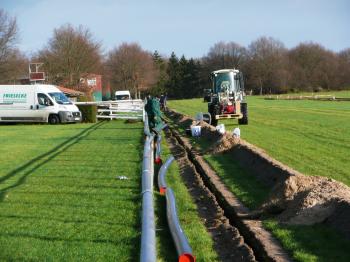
[[121, 109]]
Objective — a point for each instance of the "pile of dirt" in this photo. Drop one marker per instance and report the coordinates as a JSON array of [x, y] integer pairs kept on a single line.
[[225, 143], [180, 119], [218, 142], [307, 200]]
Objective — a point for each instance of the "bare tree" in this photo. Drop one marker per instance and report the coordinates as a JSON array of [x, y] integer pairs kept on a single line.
[[344, 68], [70, 53], [12, 61], [131, 68], [226, 55], [267, 66], [313, 67]]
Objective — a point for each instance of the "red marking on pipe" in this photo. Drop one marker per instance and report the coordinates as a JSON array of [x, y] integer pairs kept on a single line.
[[158, 161], [187, 258], [162, 190]]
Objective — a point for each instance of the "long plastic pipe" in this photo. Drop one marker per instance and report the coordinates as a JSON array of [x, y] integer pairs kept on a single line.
[[148, 236], [146, 126], [161, 175], [182, 246], [158, 160]]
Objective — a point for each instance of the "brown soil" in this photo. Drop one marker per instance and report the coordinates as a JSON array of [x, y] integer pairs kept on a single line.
[[306, 200], [295, 198], [228, 242]]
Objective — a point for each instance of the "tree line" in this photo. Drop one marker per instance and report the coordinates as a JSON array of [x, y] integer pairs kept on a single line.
[[268, 66]]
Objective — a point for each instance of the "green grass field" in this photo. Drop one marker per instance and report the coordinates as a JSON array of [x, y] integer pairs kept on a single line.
[[343, 93], [310, 136], [60, 198]]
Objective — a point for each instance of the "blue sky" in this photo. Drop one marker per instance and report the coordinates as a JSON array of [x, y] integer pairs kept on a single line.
[[185, 27]]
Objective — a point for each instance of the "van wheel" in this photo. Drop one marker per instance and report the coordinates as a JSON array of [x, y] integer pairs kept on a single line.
[[54, 119]]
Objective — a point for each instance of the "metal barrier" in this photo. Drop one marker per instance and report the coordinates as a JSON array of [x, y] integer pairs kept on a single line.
[[120, 109], [161, 175]]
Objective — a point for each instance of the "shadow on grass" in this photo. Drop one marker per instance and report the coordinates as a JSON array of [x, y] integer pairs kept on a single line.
[[39, 161], [68, 221], [241, 182], [311, 243], [52, 238]]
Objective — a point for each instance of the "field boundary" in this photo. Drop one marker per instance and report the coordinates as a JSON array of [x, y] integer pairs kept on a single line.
[[315, 98]]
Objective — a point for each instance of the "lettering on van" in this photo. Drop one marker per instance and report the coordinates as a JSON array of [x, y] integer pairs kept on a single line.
[[14, 98]]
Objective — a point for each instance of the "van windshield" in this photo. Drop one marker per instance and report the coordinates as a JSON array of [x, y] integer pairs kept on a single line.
[[122, 97], [60, 98]]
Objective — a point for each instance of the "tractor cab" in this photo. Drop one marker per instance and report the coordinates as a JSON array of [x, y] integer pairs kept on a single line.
[[227, 99]]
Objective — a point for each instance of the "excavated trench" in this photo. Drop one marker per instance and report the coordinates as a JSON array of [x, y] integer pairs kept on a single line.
[[295, 198], [234, 239], [228, 242]]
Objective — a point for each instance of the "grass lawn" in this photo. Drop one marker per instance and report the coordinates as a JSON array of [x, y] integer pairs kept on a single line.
[[310, 136], [60, 199], [59, 196]]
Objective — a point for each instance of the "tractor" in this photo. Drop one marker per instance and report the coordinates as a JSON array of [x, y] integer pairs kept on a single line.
[[227, 97]]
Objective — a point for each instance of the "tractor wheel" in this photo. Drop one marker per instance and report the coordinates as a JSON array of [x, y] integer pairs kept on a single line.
[[244, 119], [54, 119], [212, 112], [214, 122]]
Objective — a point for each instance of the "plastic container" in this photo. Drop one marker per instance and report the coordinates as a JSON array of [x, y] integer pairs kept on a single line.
[[221, 128], [236, 132], [196, 130]]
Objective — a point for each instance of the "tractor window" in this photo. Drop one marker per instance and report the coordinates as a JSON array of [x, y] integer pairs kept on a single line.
[[223, 82]]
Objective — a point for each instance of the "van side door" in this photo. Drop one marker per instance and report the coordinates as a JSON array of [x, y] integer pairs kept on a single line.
[[43, 107]]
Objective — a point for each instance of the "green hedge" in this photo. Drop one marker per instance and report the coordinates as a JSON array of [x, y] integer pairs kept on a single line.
[[88, 111]]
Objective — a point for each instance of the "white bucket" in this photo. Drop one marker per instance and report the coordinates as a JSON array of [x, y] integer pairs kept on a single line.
[[236, 132], [221, 128], [196, 130]]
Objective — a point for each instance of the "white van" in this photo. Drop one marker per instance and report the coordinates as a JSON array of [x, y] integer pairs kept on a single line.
[[122, 95], [36, 103]]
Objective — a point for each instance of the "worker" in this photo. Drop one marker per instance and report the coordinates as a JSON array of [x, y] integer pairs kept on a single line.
[[162, 101], [154, 114]]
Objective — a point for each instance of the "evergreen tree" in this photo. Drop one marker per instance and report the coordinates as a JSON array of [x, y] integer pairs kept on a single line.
[[160, 86], [184, 87], [173, 80], [194, 72]]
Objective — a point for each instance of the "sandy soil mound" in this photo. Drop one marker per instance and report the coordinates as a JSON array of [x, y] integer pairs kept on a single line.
[[218, 142], [306, 200]]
